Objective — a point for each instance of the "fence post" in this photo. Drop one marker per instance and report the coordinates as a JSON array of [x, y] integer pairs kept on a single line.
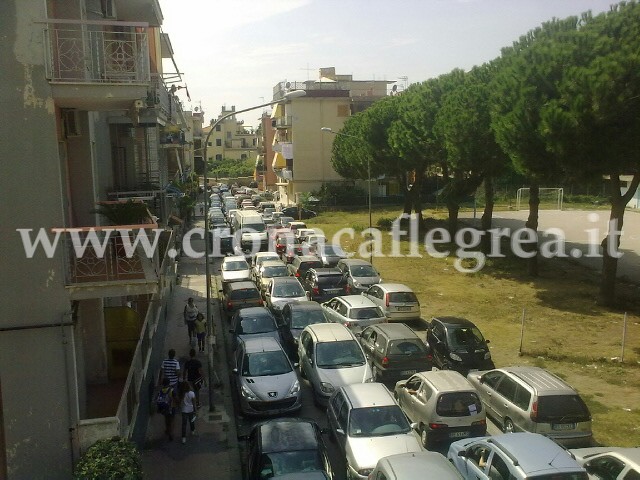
[[624, 337], [524, 310]]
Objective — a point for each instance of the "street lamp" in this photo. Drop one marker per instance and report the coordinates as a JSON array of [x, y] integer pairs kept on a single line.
[[207, 250], [330, 130]]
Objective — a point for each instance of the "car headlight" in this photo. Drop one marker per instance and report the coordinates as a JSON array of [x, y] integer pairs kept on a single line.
[[455, 356], [295, 388], [487, 356], [326, 387], [356, 284], [248, 394]]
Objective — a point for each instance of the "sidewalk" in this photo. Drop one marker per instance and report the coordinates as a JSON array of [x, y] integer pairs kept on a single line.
[[214, 452]]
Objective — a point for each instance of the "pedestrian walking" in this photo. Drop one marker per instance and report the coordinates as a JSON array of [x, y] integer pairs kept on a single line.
[[201, 331], [187, 409], [190, 314], [170, 369], [166, 403], [193, 374]]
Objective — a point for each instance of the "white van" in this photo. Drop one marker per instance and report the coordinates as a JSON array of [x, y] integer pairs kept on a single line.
[[250, 227]]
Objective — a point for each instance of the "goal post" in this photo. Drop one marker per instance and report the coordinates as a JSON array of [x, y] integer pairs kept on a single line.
[[551, 198]]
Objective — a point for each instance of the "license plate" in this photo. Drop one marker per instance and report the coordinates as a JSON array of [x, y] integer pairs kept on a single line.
[[403, 309], [407, 372], [458, 434], [563, 426], [333, 290]]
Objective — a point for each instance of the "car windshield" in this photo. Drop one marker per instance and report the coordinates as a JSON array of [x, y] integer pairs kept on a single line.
[[377, 421], [244, 294], [296, 461], [266, 258], [252, 325], [363, 271], [341, 354], [409, 346], [398, 297], [288, 290], [365, 313], [300, 319], [463, 337], [253, 227], [275, 271], [234, 266], [332, 250], [458, 404], [262, 364]]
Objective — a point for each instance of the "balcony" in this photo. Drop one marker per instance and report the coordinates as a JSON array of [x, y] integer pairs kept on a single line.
[[97, 66], [282, 122]]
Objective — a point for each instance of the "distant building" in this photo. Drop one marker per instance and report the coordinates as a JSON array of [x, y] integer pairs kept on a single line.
[[231, 140]]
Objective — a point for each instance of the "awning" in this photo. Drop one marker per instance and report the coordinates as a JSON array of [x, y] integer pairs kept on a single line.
[[279, 161], [277, 111]]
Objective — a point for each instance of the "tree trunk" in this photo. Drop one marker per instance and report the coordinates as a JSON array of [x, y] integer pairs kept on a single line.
[[453, 207], [417, 197], [408, 199], [616, 218], [532, 223], [487, 214]]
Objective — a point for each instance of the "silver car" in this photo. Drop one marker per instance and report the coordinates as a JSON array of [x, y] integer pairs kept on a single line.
[[268, 270], [353, 311], [266, 381], [359, 274], [398, 301], [282, 290], [403, 466], [616, 463], [329, 254]]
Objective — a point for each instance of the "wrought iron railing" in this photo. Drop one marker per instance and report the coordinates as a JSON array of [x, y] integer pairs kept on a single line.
[[91, 53]]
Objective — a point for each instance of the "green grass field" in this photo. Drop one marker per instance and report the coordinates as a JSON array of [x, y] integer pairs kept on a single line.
[[565, 330]]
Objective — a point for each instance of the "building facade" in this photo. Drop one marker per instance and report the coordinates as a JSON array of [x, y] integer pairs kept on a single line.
[[231, 140], [91, 123]]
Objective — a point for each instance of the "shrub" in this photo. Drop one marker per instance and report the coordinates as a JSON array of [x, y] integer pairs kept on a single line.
[[113, 458], [384, 223]]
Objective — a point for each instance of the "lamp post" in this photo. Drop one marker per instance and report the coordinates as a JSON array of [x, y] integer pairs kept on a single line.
[[330, 130], [208, 243]]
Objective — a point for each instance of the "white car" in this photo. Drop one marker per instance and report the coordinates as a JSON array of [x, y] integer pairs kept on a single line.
[[282, 290], [616, 463], [235, 269]]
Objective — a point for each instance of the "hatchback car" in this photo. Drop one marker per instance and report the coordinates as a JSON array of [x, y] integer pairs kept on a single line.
[[353, 311], [235, 269], [296, 316], [615, 463], [268, 270], [532, 399], [403, 466], [282, 290], [398, 301], [287, 448], [257, 321], [236, 295], [299, 265], [514, 456], [443, 404], [329, 254], [257, 260], [457, 344], [330, 357], [368, 425], [323, 284], [264, 378], [359, 274], [395, 352]]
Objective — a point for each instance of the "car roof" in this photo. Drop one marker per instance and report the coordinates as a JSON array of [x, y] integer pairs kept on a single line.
[[447, 380], [353, 261], [285, 435], [543, 381], [304, 305], [285, 280], [266, 254], [260, 344], [272, 263], [362, 395], [395, 330], [249, 312], [326, 271], [405, 465], [357, 301], [243, 285], [330, 332], [234, 258], [455, 321], [307, 258], [394, 287]]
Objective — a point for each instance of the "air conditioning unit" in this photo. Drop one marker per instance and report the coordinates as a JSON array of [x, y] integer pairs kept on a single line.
[[108, 8], [71, 122]]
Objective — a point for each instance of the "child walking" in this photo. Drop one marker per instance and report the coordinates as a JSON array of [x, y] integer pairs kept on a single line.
[[188, 409]]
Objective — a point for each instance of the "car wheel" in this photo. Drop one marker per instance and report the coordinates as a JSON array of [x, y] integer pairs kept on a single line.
[[508, 426], [424, 436]]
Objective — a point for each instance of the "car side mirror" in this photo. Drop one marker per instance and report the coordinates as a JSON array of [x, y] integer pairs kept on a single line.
[[414, 426], [311, 361], [235, 370], [462, 453], [296, 365], [339, 431]]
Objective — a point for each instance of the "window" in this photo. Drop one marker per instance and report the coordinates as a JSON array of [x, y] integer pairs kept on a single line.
[[218, 128], [522, 398], [507, 388], [498, 469], [218, 142], [219, 157], [492, 379], [342, 417], [606, 467]]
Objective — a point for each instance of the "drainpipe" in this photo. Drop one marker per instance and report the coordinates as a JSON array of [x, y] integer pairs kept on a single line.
[[72, 400]]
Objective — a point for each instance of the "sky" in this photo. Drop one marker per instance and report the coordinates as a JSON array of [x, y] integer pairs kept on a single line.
[[233, 52]]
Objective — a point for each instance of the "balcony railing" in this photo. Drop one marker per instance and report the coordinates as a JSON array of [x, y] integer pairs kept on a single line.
[[282, 122], [91, 53]]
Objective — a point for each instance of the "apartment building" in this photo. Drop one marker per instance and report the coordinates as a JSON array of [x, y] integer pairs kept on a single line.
[[301, 152], [90, 120], [231, 140]]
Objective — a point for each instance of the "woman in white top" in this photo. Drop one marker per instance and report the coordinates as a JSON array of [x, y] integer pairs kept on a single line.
[[188, 409]]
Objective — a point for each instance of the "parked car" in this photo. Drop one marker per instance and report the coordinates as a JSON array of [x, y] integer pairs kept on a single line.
[[611, 463], [299, 212], [296, 316], [443, 404], [300, 264], [457, 344], [281, 290], [514, 456], [268, 270], [368, 425], [235, 269], [302, 233], [283, 447], [330, 357], [359, 274], [398, 301], [264, 378], [403, 466], [323, 284], [237, 295], [286, 220], [531, 399], [329, 254], [353, 311], [257, 260], [255, 321], [395, 352]]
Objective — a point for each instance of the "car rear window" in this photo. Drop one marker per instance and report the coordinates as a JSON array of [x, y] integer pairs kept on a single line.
[[327, 280], [564, 476], [397, 297], [304, 266], [244, 294], [562, 409], [458, 404], [365, 313], [408, 346]]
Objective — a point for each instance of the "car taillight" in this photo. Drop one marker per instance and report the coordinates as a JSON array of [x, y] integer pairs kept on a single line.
[[534, 410], [347, 324], [386, 299], [385, 361], [348, 289], [297, 274], [435, 426], [316, 291], [229, 305], [479, 422], [429, 357], [260, 302]]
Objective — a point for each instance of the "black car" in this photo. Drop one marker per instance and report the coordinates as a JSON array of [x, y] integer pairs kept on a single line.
[[395, 352], [299, 213], [297, 315], [284, 447], [324, 283], [258, 321], [457, 344]]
